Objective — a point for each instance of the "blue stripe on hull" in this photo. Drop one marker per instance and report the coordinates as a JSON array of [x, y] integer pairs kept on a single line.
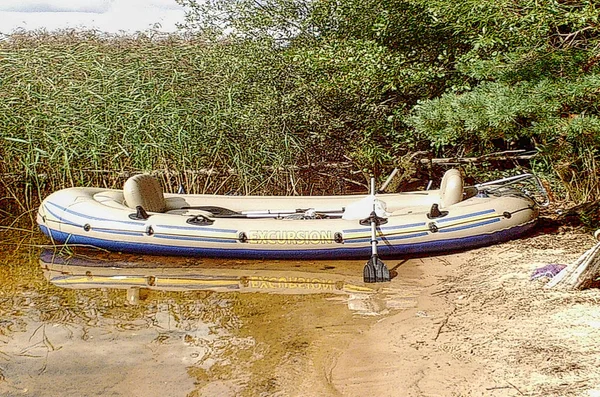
[[84, 216], [392, 250], [468, 226]]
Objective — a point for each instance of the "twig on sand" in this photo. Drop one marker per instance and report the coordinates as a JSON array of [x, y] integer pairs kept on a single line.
[[579, 274], [516, 388], [497, 387], [443, 324]]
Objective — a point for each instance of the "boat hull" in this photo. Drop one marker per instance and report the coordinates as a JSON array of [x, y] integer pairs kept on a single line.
[[99, 218]]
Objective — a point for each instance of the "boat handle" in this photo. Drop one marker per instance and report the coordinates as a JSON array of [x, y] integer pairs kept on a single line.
[[200, 220]]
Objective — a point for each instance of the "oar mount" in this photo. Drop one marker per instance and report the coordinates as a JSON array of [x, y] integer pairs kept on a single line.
[[375, 270], [373, 218]]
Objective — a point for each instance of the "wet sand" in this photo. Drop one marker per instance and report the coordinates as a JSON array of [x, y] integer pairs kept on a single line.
[[196, 327]]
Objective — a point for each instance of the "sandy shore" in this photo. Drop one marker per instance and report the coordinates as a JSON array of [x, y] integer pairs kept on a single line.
[[482, 327]]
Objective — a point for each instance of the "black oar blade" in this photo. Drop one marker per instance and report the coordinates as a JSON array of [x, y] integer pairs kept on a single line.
[[375, 271]]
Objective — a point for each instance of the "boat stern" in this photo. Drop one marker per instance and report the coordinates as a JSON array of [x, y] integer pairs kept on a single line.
[[41, 219], [48, 220]]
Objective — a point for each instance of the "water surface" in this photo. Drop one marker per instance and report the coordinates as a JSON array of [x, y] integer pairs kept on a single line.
[[92, 323]]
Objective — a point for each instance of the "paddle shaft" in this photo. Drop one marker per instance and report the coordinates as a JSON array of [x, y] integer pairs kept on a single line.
[[373, 238], [227, 213], [373, 223]]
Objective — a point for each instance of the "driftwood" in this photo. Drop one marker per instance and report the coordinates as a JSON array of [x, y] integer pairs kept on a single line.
[[582, 274], [498, 156], [520, 154]]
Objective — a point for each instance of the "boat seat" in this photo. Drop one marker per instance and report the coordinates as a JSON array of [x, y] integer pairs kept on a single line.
[[144, 190], [451, 190]]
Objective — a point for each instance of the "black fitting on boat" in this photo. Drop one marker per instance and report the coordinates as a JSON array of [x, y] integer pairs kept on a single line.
[[140, 215], [87, 227], [200, 220], [243, 237], [433, 228], [149, 231], [507, 214], [435, 212], [338, 238], [373, 218]]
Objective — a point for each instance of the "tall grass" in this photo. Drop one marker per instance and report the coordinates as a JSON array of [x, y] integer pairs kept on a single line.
[[78, 109]]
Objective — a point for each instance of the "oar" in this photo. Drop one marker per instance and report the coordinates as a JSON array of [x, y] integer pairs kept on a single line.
[[221, 212], [375, 270]]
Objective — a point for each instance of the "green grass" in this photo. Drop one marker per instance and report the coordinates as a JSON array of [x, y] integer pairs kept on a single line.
[[79, 109]]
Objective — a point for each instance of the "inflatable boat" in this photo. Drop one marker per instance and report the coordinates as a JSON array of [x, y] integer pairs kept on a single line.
[[141, 218]]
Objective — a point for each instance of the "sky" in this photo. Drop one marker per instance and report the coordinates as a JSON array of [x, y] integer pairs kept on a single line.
[[111, 16]]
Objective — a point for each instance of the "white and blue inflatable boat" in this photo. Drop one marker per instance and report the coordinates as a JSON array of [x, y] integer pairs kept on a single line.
[[141, 218]]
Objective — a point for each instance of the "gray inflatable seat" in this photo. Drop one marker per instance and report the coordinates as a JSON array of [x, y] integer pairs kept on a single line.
[[451, 191], [144, 190]]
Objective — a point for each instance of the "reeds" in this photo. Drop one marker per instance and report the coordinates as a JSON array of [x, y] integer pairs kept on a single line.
[[79, 109]]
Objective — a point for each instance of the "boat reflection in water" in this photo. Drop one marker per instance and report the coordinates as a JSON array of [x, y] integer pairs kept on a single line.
[[190, 326], [138, 277]]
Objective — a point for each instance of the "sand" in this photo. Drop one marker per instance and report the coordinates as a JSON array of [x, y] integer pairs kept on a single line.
[[482, 327]]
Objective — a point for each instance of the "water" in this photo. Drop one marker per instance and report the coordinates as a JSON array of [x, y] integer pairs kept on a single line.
[[89, 323]]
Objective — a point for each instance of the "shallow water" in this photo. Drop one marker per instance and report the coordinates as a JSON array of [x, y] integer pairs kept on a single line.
[[90, 323]]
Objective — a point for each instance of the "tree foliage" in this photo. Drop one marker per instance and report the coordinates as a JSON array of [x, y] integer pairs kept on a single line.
[[460, 77], [532, 76], [355, 66]]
